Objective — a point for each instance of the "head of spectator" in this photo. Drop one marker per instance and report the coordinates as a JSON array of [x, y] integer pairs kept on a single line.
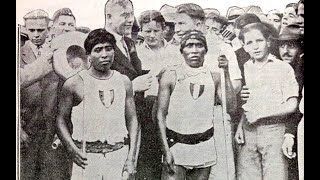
[[99, 46], [211, 11], [254, 10], [193, 47], [289, 14], [256, 38], [243, 20], [23, 35], [152, 24], [168, 12], [290, 43], [135, 30], [119, 16], [36, 24], [83, 29], [188, 16], [300, 15], [214, 23], [274, 16], [233, 13], [63, 21]]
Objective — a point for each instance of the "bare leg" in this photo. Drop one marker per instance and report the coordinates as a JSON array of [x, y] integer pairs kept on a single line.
[[180, 173], [199, 174]]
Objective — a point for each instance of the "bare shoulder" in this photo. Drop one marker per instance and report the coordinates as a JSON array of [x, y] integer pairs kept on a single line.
[[73, 83], [168, 76]]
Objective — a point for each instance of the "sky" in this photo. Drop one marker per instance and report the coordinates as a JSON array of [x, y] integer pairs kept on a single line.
[[90, 13]]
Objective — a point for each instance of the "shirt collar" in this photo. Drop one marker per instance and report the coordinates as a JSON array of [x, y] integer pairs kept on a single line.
[[35, 49], [165, 44], [271, 58]]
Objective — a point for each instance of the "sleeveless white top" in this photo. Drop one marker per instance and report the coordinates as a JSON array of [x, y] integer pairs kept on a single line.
[[191, 102], [101, 114], [191, 111]]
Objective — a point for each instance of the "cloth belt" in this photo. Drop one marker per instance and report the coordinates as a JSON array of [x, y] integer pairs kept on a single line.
[[174, 137], [101, 147]]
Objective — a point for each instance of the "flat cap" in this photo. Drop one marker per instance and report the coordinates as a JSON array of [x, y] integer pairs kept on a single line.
[[36, 14], [234, 12], [62, 12]]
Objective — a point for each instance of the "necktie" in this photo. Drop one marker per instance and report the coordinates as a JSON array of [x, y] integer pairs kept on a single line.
[[125, 48], [38, 51]]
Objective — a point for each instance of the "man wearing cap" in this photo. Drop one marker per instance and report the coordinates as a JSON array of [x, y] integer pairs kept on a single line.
[[290, 43], [55, 161], [168, 13], [274, 16], [187, 132], [32, 123]]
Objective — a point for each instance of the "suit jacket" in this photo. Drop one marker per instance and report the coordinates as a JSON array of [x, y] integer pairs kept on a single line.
[[30, 97], [31, 73], [131, 69], [121, 63]]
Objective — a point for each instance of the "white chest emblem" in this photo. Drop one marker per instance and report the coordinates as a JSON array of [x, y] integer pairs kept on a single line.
[[196, 90], [106, 97]]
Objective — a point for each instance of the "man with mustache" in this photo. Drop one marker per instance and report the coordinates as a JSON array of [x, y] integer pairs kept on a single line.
[[291, 51]]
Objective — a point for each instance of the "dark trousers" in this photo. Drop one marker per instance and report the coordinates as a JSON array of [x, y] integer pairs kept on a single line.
[[149, 160]]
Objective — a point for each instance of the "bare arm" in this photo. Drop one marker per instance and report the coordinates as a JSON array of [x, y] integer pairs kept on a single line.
[[71, 94], [166, 86], [133, 127], [132, 123]]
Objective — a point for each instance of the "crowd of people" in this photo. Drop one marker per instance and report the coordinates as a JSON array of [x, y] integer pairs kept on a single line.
[[176, 93]]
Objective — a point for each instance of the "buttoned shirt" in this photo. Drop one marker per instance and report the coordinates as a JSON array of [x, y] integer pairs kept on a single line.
[[270, 85], [154, 61], [119, 40]]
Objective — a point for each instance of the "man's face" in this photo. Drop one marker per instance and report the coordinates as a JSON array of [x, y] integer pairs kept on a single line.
[[256, 45], [122, 19], [289, 16], [289, 51], [194, 52], [300, 18], [37, 30], [64, 24], [152, 33], [275, 20], [183, 22], [168, 31], [212, 26], [102, 56]]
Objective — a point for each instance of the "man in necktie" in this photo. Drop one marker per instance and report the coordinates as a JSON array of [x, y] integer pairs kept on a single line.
[[119, 19], [31, 123]]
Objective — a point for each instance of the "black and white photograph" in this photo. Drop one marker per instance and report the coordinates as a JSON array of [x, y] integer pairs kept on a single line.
[[160, 90]]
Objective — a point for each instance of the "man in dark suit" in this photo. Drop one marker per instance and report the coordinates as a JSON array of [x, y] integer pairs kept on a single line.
[[31, 121], [119, 19]]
